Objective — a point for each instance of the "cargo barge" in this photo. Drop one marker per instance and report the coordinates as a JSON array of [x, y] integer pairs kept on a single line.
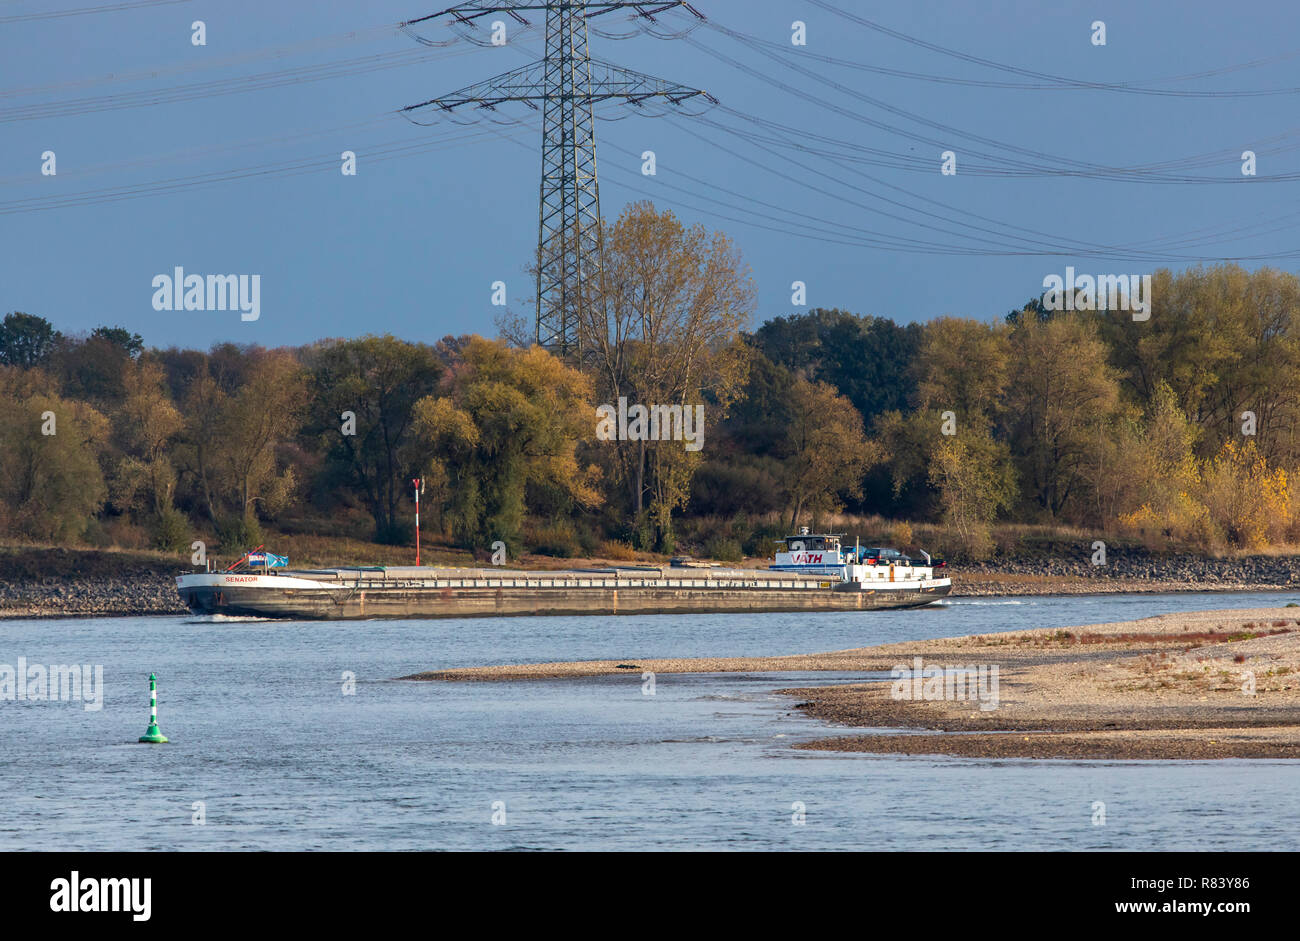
[[815, 572]]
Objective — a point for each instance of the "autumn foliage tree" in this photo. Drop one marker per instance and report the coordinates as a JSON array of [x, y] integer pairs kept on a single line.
[[826, 451], [1247, 502], [51, 483], [1178, 430], [1057, 406], [362, 414], [947, 443], [236, 421], [659, 324], [504, 427], [146, 424]]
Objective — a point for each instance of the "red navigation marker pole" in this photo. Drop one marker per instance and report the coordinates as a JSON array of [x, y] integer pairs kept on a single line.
[[418, 484]]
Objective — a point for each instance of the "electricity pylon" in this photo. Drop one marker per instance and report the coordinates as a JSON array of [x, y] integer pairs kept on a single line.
[[565, 85]]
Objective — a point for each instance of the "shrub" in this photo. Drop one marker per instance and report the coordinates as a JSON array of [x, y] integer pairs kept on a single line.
[[1248, 502], [96, 534], [973, 545], [396, 533], [618, 551], [723, 549], [121, 532], [761, 541], [556, 539], [238, 534], [171, 531], [900, 534], [588, 541], [750, 484]]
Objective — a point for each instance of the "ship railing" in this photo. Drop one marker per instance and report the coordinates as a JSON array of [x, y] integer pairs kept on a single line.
[[612, 578]]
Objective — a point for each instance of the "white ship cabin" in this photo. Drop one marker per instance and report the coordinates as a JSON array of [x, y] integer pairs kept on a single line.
[[819, 553], [825, 554]]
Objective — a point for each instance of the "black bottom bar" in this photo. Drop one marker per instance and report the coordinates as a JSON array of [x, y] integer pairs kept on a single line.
[[943, 893]]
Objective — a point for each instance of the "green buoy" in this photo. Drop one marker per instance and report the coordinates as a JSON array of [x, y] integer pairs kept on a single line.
[[152, 736]]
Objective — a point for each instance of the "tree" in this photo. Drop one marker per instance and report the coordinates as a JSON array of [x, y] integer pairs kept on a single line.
[[506, 427], [1149, 477], [130, 343], [378, 380], [1059, 401], [963, 366], [1226, 341], [51, 485], [145, 424], [960, 374], [238, 413], [867, 359], [827, 452], [1032, 309], [26, 340], [757, 420], [909, 440], [974, 481], [741, 473], [93, 369], [1260, 312], [659, 323], [1248, 503]]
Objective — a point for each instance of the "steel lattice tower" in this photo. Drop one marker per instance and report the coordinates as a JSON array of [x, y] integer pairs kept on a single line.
[[565, 85], [569, 205]]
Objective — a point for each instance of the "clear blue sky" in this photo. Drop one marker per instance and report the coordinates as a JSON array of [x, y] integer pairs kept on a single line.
[[412, 243]]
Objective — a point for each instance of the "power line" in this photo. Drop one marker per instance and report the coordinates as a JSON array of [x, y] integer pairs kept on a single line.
[[783, 134], [1031, 162], [82, 11], [1053, 85], [1042, 243], [227, 86], [276, 52], [1052, 247], [1131, 87], [377, 153], [194, 153], [564, 86]]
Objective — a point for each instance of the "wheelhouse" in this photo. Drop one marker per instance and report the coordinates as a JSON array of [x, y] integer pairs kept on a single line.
[[813, 542]]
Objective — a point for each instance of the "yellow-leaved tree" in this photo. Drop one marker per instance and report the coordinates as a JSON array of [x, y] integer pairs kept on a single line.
[[1149, 477], [826, 452], [145, 478], [660, 324], [51, 485], [1248, 502], [502, 434]]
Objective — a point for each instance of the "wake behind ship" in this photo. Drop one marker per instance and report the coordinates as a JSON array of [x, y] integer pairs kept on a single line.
[[814, 572]]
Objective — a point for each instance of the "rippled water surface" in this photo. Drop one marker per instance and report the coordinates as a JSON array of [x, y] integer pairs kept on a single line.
[[263, 736]]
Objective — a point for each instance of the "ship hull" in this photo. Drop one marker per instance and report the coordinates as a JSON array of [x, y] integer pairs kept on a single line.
[[497, 596]]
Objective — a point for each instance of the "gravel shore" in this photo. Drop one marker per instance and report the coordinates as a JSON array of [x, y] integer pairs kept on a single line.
[[61, 582], [1210, 684], [78, 597]]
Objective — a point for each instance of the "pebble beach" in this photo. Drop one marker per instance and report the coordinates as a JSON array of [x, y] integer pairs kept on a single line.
[[1194, 685]]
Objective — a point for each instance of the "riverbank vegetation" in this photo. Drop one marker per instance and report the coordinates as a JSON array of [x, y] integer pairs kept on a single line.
[[964, 434]]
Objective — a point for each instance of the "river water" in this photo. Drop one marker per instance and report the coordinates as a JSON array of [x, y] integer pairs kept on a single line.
[[271, 752]]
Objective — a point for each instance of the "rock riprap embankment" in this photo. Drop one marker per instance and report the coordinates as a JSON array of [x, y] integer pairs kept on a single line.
[[69, 597]]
